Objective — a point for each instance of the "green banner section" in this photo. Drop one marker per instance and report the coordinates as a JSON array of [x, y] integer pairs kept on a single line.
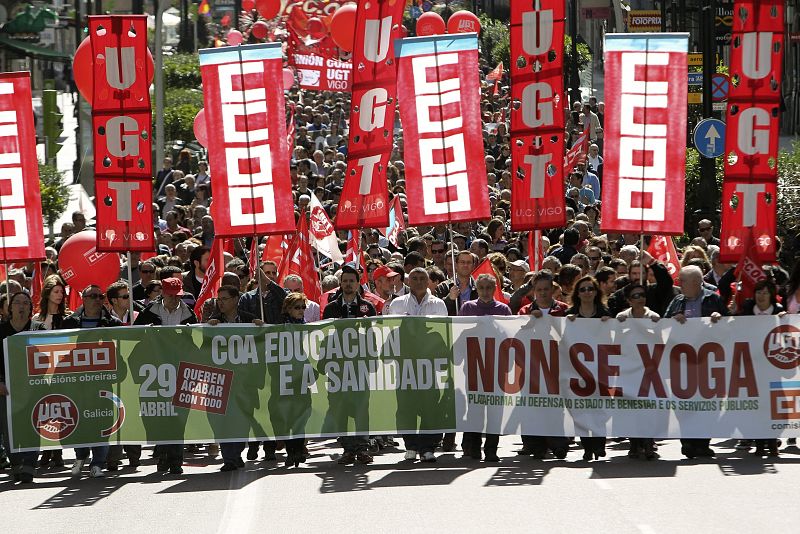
[[147, 385]]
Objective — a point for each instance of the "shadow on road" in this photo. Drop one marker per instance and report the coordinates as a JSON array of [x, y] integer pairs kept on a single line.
[[334, 478]]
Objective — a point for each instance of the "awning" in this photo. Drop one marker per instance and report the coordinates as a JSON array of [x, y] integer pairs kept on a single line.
[[33, 50]]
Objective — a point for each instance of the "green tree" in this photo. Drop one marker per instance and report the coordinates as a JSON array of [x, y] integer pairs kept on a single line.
[[55, 194]]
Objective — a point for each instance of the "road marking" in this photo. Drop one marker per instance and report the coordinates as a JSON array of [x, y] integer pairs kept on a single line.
[[241, 503]]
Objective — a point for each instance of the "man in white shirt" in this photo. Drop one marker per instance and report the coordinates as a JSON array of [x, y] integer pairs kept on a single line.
[[419, 303]]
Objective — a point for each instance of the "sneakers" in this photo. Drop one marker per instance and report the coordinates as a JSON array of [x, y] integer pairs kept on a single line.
[[96, 472], [213, 450], [428, 457], [364, 458], [76, 467], [347, 458], [410, 455]]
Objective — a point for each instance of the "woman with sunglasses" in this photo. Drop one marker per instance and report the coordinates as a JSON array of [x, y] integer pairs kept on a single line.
[[23, 464], [636, 296], [588, 303]]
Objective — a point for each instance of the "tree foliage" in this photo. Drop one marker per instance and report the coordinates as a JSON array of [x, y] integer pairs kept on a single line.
[[182, 71], [55, 194]]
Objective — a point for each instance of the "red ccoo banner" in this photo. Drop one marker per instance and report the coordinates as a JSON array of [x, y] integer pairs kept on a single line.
[[121, 119], [643, 185], [537, 121], [364, 201], [21, 236], [445, 170], [245, 114], [751, 142]]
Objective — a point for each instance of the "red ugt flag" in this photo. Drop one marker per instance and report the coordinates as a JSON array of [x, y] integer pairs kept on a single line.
[[486, 267], [213, 277]]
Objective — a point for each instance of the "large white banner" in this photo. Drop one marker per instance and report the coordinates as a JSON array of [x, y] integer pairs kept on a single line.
[[554, 377]]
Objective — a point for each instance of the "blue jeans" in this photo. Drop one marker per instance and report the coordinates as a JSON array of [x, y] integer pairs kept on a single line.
[[99, 454]]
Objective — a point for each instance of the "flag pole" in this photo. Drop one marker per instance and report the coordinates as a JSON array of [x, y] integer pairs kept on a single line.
[[641, 260], [130, 290], [537, 243], [258, 276]]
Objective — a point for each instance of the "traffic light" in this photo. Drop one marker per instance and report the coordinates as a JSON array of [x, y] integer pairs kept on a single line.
[[53, 124]]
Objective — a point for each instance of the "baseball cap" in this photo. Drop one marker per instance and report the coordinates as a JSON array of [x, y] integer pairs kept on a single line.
[[520, 264], [382, 271], [172, 286]]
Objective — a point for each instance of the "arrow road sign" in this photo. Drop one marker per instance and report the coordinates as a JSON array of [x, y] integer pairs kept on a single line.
[[709, 138]]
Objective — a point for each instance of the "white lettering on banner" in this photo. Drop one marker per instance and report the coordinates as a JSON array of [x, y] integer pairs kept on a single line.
[[376, 46], [748, 203], [750, 139], [228, 71], [250, 182], [537, 32], [451, 172], [538, 168], [537, 105], [373, 109], [230, 112], [642, 146], [756, 54], [13, 201], [424, 104], [123, 203], [367, 165], [123, 137], [113, 69]]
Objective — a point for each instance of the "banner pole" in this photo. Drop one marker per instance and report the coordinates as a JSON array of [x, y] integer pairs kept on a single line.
[[453, 256], [537, 243], [130, 290], [254, 249], [641, 258]]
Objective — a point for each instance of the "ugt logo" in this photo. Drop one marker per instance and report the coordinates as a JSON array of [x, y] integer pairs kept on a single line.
[[55, 417], [782, 347]]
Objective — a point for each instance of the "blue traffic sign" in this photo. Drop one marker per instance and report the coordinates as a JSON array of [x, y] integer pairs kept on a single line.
[[720, 86], [709, 138], [695, 78]]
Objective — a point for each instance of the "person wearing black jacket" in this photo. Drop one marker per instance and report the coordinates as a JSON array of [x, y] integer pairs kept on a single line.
[[349, 305], [271, 298], [587, 303], [169, 311], [695, 301], [23, 464], [765, 302], [92, 315], [659, 294]]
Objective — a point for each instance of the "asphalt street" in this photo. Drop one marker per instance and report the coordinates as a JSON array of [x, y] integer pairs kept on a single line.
[[733, 493]]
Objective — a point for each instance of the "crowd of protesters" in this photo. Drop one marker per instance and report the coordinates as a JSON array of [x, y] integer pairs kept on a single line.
[[585, 274]]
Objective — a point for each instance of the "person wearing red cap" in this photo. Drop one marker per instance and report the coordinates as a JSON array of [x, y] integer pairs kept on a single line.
[[170, 310], [384, 279]]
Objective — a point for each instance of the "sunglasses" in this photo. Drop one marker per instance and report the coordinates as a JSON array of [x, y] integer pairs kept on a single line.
[[586, 289], [637, 296]]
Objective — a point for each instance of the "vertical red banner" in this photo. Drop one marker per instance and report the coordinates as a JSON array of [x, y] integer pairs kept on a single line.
[[646, 99], [537, 120], [751, 141], [121, 123], [437, 79], [245, 113], [21, 232], [364, 201]]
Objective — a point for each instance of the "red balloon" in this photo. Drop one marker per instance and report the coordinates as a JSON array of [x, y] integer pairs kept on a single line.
[[259, 30], [343, 27], [83, 69], [463, 22], [199, 127], [403, 31], [235, 37], [430, 23], [316, 28], [268, 8], [77, 271], [248, 5], [288, 78]]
